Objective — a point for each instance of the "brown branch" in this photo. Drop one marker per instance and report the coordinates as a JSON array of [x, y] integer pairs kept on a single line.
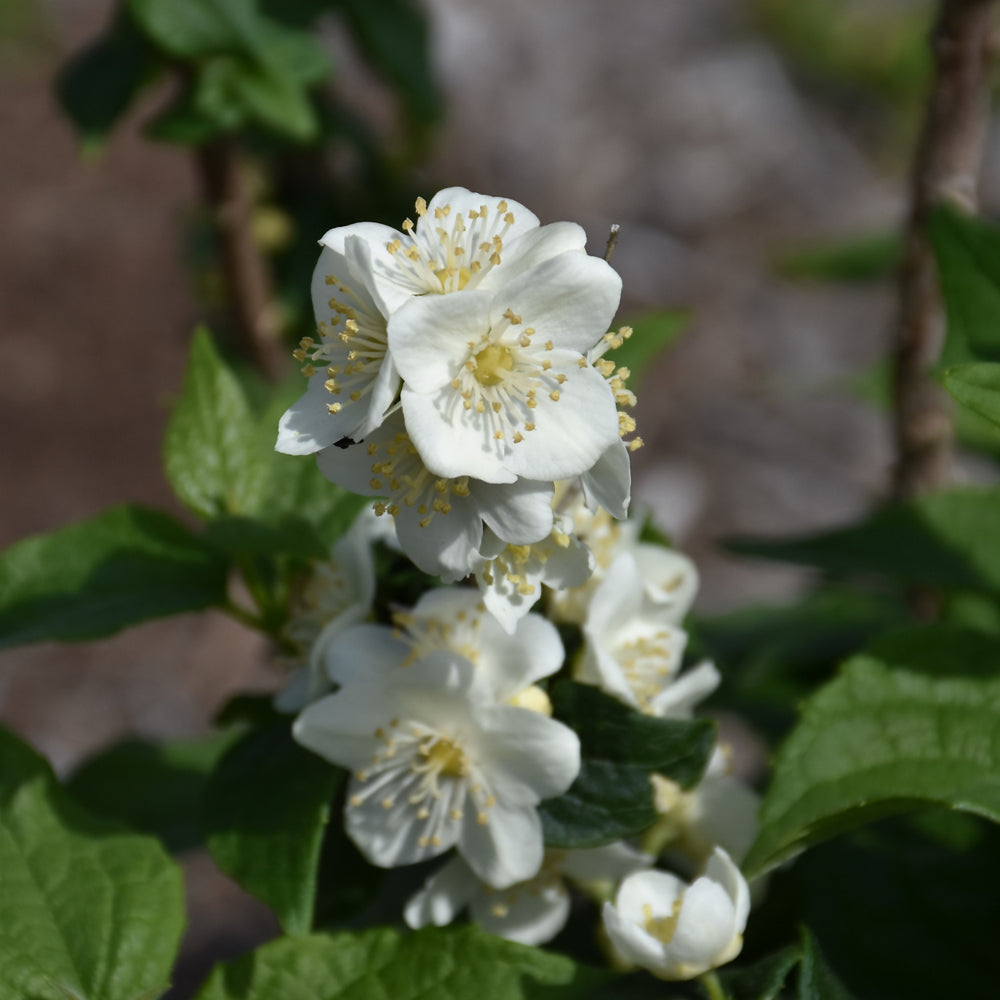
[[612, 241], [946, 168], [247, 274]]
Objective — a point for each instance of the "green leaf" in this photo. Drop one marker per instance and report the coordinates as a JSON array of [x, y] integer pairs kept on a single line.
[[287, 535], [93, 578], [967, 251], [86, 911], [764, 979], [949, 539], [392, 34], [977, 386], [816, 980], [880, 739], [865, 258], [195, 29], [97, 84], [266, 808], [446, 964], [651, 335], [152, 788], [898, 914], [613, 798], [210, 450]]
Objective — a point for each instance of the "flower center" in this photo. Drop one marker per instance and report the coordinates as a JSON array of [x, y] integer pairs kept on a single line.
[[491, 364], [662, 928], [447, 759]]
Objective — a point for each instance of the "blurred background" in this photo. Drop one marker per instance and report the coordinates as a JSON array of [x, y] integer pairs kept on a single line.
[[754, 152]]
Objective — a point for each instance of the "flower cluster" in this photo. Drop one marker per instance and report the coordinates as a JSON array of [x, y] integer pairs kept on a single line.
[[459, 376], [459, 373]]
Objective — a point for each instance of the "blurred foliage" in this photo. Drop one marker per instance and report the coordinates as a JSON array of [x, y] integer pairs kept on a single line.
[[871, 257]]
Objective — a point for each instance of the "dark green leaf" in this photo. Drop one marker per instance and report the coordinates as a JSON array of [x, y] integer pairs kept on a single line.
[[266, 808], [651, 335], [97, 85], [967, 251], [152, 788], [949, 540], [94, 578], [901, 916], [816, 980], [287, 535], [880, 739], [763, 980], [393, 36], [866, 258], [210, 451], [86, 911], [183, 123], [446, 964], [612, 798]]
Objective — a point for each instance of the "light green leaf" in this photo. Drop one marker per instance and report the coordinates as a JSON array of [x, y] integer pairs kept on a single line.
[[443, 964], [210, 449], [949, 539], [266, 808], [91, 579], [613, 798], [86, 911], [195, 29], [651, 335], [977, 386], [879, 739], [152, 788], [98, 83], [967, 251], [816, 979]]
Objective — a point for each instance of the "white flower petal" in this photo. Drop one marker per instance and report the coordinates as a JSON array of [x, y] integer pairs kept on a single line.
[[443, 896], [706, 927], [608, 483], [570, 299], [447, 545], [532, 248], [680, 697], [369, 654], [668, 577], [612, 861], [429, 337], [528, 915], [570, 434], [534, 757], [519, 513], [307, 426], [505, 849], [452, 441]]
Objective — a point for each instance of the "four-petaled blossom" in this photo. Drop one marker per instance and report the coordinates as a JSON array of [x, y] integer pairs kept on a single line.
[[436, 760], [497, 385], [530, 912], [679, 931]]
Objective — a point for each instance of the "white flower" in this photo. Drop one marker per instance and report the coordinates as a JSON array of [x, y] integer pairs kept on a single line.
[[352, 380], [720, 810], [496, 385], [510, 577], [630, 648], [530, 912], [461, 241], [336, 594], [667, 576], [439, 521], [436, 761], [676, 930], [455, 618]]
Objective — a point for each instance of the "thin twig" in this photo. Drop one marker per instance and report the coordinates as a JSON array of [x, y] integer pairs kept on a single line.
[[946, 168], [612, 241], [246, 271]]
